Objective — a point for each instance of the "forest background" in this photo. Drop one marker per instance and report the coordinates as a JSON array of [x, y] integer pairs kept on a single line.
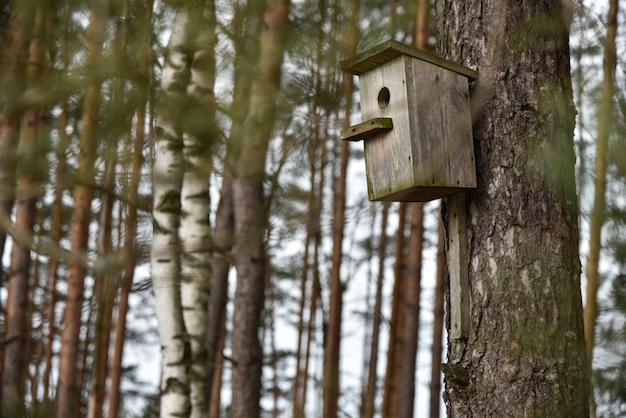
[[104, 261]]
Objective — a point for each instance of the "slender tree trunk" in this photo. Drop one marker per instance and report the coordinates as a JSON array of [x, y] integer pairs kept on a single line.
[[332, 351], [105, 289], [68, 389], [605, 126], [216, 384], [435, 377], [396, 323], [194, 227], [13, 84], [247, 51], [56, 232], [411, 312], [166, 246], [525, 352], [130, 248], [130, 252], [222, 240], [31, 175], [372, 378], [250, 219]]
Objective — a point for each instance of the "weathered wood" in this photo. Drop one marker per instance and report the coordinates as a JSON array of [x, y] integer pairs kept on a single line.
[[389, 50], [458, 267], [429, 153], [366, 129]]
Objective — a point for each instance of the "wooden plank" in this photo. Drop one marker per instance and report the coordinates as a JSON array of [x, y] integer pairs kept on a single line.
[[388, 156], [445, 152], [458, 267], [386, 51], [366, 129]]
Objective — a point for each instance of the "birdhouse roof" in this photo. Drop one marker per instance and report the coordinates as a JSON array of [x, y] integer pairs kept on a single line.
[[385, 52]]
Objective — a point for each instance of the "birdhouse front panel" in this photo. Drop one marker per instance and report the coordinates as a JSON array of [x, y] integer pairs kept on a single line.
[[418, 132], [388, 156]]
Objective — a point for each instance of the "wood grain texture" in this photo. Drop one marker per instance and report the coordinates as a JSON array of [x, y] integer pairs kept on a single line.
[[458, 269], [429, 153]]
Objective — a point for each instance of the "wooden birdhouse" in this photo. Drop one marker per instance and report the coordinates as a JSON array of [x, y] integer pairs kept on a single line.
[[417, 124]]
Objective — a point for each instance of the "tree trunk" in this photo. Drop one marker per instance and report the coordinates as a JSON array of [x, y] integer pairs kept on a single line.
[[130, 257], [69, 390], [411, 312], [105, 289], [200, 134], [130, 247], [250, 219], [525, 353], [247, 51], [435, 377], [166, 246], [396, 322], [332, 349], [30, 177], [605, 126], [372, 378], [13, 85]]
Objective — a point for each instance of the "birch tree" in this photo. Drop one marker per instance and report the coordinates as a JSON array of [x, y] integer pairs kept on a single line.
[[200, 133], [167, 180]]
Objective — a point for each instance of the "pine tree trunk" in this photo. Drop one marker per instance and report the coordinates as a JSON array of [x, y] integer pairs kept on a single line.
[[247, 52], [105, 289], [332, 349], [605, 126], [130, 252], [130, 249], [13, 86], [372, 378], [435, 377], [13, 80], [249, 215], [222, 241], [396, 323], [411, 312], [68, 391], [30, 177], [525, 353]]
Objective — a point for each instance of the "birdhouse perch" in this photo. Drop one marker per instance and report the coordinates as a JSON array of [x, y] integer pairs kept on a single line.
[[417, 124]]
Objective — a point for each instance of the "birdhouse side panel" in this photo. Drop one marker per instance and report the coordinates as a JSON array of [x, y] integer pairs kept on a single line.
[[445, 152], [388, 156]]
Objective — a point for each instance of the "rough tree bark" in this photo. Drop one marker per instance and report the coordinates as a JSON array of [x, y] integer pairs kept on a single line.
[[525, 354]]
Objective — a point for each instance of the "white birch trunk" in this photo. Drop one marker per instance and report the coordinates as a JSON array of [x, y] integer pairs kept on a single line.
[[195, 228], [167, 178]]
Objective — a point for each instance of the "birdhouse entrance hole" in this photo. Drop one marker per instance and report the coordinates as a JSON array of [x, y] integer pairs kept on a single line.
[[383, 97]]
